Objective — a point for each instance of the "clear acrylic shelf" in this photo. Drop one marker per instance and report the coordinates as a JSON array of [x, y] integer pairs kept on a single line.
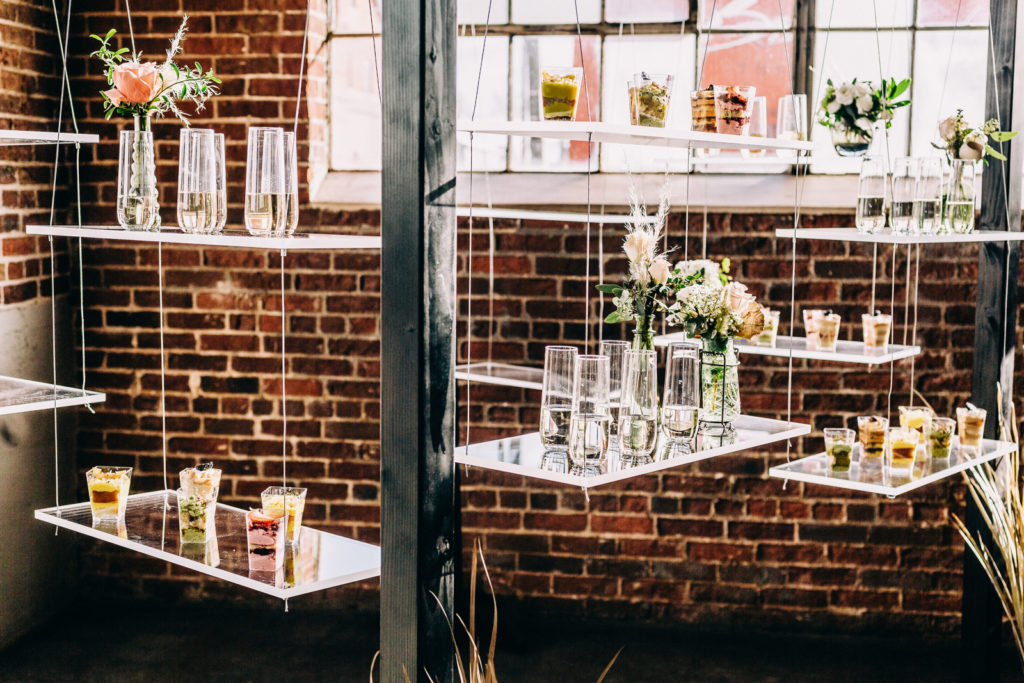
[[228, 238], [814, 470], [319, 561], [625, 134], [555, 216], [769, 162], [846, 351], [524, 455], [504, 374], [24, 396], [886, 236], [9, 138]]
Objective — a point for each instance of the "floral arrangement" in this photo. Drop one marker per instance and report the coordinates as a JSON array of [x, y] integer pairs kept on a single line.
[[143, 89], [710, 305], [857, 105], [961, 141]]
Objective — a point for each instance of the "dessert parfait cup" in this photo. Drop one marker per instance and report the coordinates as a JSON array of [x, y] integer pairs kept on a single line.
[[770, 332], [702, 116], [872, 433], [877, 327], [108, 491], [839, 449], [733, 108], [276, 498], [971, 427], [196, 517], [811, 326], [203, 481], [649, 97], [827, 325], [916, 417], [902, 448], [938, 438], [265, 537], [560, 92]]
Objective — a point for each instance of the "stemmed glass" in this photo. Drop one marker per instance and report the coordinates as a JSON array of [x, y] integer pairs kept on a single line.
[[928, 196], [871, 195], [588, 430], [556, 399], [265, 182], [291, 184], [758, 125], [615, 350], [904, 187], [638, 415], [196, 181], [791, 121], [681, 404], [221, 199]]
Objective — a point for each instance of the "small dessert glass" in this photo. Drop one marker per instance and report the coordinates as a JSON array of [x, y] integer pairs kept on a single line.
[[872, 432], [108, 491], [274, 500], [203, 480], [770, 332], [902, 447], [939, 437], [827, 325], [265, 539], [970, 426], [839, 449], [196, 517], [811, 326], [758, 126], [560, 92], [916, 417], [877, 327], [702, 116], [649, 97], [733, 108]]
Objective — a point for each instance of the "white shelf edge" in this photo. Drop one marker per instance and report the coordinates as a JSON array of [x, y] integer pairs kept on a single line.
[[846, 351], [558, 216], [80, 399], [9, 138], [853, 235], [476, 372], [297, 242]]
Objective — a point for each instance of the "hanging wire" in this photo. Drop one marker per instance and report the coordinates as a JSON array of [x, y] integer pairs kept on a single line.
[[284, 390], [949, 58], [302, 69], [163, 362], [373, 43], [590, 143], [913, 334]]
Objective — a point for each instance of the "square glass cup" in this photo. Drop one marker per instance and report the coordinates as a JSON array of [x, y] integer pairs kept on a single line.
[[839, 449], [827, 325], [196, 517], [877, 328], [275, 498], [810, 316], [734, 106], [770, 332], [902, 447], [560, 92], [265, 538], [108, 491], [938, 438], [916, 417], [649, 98], [970, 426], [873, 432]]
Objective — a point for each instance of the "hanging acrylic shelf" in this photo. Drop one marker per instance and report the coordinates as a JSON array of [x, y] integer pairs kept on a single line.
[[846, 351], [228, 238], [553, 216], [814, 470], [25, 396], [319, 561], [625, 134], [524, 455], [10, 138], [886, 236], [503, 374]]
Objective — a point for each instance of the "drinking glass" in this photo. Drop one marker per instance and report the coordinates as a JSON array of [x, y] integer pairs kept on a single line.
[[872, 433], [960, 197], [264, 182], [615, 350], [556, 397], [138, 205], [638, 416], [939, 437], [588, 437], [197, 181], [839, 448], [904, 187], [791, 121], [758, 125], [928, 196], [681, 403], [221, 199], [291, 184], [649, 97], [871, 195], [560, 92], [902, 447], [970, 426]]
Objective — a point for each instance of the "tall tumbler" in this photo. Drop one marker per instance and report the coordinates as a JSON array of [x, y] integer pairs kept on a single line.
[[681, 404], [220, 216], [588, 430], [638, 416], [928, 197], [197, 181], [291, 184], [615, 350], [791, 121], [265, 182], [556, 397], [871, 195], [904, 185], [138, 206]]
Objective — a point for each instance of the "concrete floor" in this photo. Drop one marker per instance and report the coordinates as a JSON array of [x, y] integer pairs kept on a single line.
[[136, 642]]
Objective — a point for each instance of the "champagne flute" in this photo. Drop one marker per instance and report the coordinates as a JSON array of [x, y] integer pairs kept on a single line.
[[638, 415], [264, 182], [221, 198], [758, 125], [588, 431], [871, 195], [904, 185], [681, 404], [615, 350], [196, 181], [928, 196], [291, 184], [556, 397], [791, 121]]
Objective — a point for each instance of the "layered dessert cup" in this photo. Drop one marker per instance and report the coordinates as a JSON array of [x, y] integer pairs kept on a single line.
[[770, 332], [265, 537], [827, 327], [902, 447], [196, 517], [276, 498], [810, 316], [733, 107], [939, 437], [916, 417], [970, 423], [203, 481], [872, 431], [560, 92], [839, 449], [108, 491], [877, 327], [649, 96], [702, 115]]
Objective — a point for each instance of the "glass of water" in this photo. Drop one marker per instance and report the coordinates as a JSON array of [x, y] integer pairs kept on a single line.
[[265, 182], [556, 397], [681, 402], [197, 181], [928, 196], [904, 187], [871, 195], [615, 350], [588, 429], [291, 184], [221, 199], [638, 416]]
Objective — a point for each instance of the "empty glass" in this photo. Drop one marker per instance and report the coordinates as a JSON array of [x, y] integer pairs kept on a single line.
[[871, 195], [638, 416], [839, 449], [791, 121], [928, 196], [556, 397], [681, 403], [588, 430], [758, 125], [220, 218], [291, 184], [265, 182], [197, 181], [904, 188], [138, 206], [615, 350]]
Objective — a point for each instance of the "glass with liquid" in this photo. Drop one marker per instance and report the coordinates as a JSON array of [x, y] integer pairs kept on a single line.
[[681, 400], [616, 351], [928, 197], [265, 205], [220, 214], [138, 205], [588, 428], [197, 181], [758, 126], [904, 187], [960, 197], [791, 121], [638, 415], [871, 195], [291, 184], [556, 397]]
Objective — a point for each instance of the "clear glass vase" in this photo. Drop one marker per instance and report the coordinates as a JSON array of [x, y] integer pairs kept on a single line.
[[849, 141], [719, 389], [958, 207], [138, 199]]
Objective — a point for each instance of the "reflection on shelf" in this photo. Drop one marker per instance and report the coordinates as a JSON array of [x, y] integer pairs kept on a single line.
[[524, 455], [320, 560], [886, 236], [9, 138], [875, 479], [228, 238], [846, 351], [503, 374], [24, 396]]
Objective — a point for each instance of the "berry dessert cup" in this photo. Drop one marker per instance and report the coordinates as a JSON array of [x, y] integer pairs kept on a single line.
[[264, 534], [733, 108]]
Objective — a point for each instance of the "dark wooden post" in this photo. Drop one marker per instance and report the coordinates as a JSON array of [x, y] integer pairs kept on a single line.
[[995, 317], [417, 340]]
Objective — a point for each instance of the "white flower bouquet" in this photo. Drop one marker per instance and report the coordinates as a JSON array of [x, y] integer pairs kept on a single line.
[[710, 306], [858, 106], [962, 141]]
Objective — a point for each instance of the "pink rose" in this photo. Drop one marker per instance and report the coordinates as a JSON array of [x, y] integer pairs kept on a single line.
[[115, 96], [137, 83]]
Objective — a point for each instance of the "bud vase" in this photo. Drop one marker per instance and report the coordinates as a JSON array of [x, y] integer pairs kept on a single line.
[[958, 205], [138, 205], [719, 388]]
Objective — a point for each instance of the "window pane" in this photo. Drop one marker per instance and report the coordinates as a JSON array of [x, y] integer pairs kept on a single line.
[[757, 59], [861, 13], [529, 55], [944, 12], [654, 54], [475, 12], [641, 11], [555, 12], [855, 54], [745, 14], [488, 150], [965, 88], [354, 106], [353, 16]]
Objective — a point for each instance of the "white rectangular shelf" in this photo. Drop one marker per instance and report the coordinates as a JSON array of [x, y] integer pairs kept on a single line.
[[10, 138], [886, 237], [25, 396], [525, 455], [554, 216], [814, 470], [846, 351], [625, 134], [228, 238], [727, 164], [504, 374], [319, 561]]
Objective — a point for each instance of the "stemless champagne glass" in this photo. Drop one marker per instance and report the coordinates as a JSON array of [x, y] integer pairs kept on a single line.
[[928, 196], [758, 125], [197, 182], [681, 404], [638, 416], [960, 197], [220, 217], [588, 430], [291, 184], [615, 350], [556, 397], [871, 195], [137, 197], [791, 121], [264, 182], [904, 186]]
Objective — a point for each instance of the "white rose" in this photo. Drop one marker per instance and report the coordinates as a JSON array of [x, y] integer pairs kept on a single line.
[[862, 88], [864, 124], [833, 107], [659, 270], [845, 94], [736, 297], [973, 147], [639, 245], [865, 103], [947, 128]]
